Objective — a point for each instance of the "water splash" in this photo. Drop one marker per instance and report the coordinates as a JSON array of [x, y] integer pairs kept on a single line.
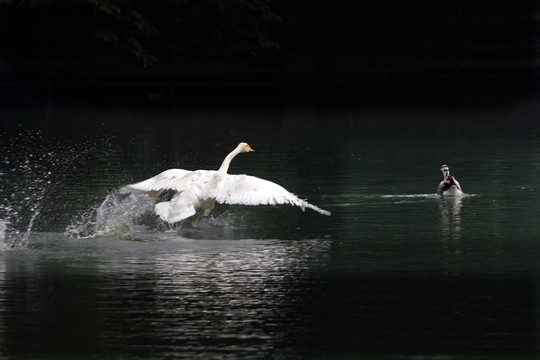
[[118, 215], [32, 175], [3, 226], [126, 214], [24, 182]]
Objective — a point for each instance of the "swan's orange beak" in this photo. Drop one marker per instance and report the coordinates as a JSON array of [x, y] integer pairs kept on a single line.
[[250, 149]]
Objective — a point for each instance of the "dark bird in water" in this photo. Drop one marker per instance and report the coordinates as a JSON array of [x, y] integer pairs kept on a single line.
[[449, 186]]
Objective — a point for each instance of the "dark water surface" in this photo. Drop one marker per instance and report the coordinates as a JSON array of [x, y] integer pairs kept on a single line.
[[395, 272]]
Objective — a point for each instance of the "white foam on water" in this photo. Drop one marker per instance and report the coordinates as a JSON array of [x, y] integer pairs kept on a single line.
[[411, 196]]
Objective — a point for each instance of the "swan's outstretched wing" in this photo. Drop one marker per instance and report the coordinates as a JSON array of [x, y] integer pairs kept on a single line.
[[173, 179], [250, 190]]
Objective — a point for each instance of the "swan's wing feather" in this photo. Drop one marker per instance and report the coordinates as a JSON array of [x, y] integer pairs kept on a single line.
[[174, 179], [458, 185], [440, 187], [251, 190]]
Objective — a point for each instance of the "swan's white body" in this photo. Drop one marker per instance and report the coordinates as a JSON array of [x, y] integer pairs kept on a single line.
[[449, 186], [200, 189]]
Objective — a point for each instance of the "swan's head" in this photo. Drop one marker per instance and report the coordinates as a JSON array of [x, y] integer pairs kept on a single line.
[[445, 170], [244, 147]]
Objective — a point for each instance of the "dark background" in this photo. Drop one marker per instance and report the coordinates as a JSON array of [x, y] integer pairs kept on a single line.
[[344, 52]]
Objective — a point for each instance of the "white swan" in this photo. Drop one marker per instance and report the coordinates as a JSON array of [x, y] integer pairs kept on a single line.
[[449, 186], [200, 189]]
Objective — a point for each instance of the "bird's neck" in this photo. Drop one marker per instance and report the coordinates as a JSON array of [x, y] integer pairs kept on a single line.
[[225, 164]]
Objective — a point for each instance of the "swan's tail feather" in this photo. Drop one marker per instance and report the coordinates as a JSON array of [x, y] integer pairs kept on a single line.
[[305, 204]]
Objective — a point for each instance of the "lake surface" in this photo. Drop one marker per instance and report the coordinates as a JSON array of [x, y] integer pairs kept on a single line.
[[394, 273]]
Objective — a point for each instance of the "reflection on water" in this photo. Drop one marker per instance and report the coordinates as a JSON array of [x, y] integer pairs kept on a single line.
[[168, 297], [450, 208]]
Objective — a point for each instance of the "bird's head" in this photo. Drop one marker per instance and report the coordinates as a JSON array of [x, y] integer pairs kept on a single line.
[[445, 170], [244, 147]]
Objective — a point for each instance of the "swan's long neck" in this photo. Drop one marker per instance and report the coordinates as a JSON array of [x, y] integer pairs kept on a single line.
[[225, 164]]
